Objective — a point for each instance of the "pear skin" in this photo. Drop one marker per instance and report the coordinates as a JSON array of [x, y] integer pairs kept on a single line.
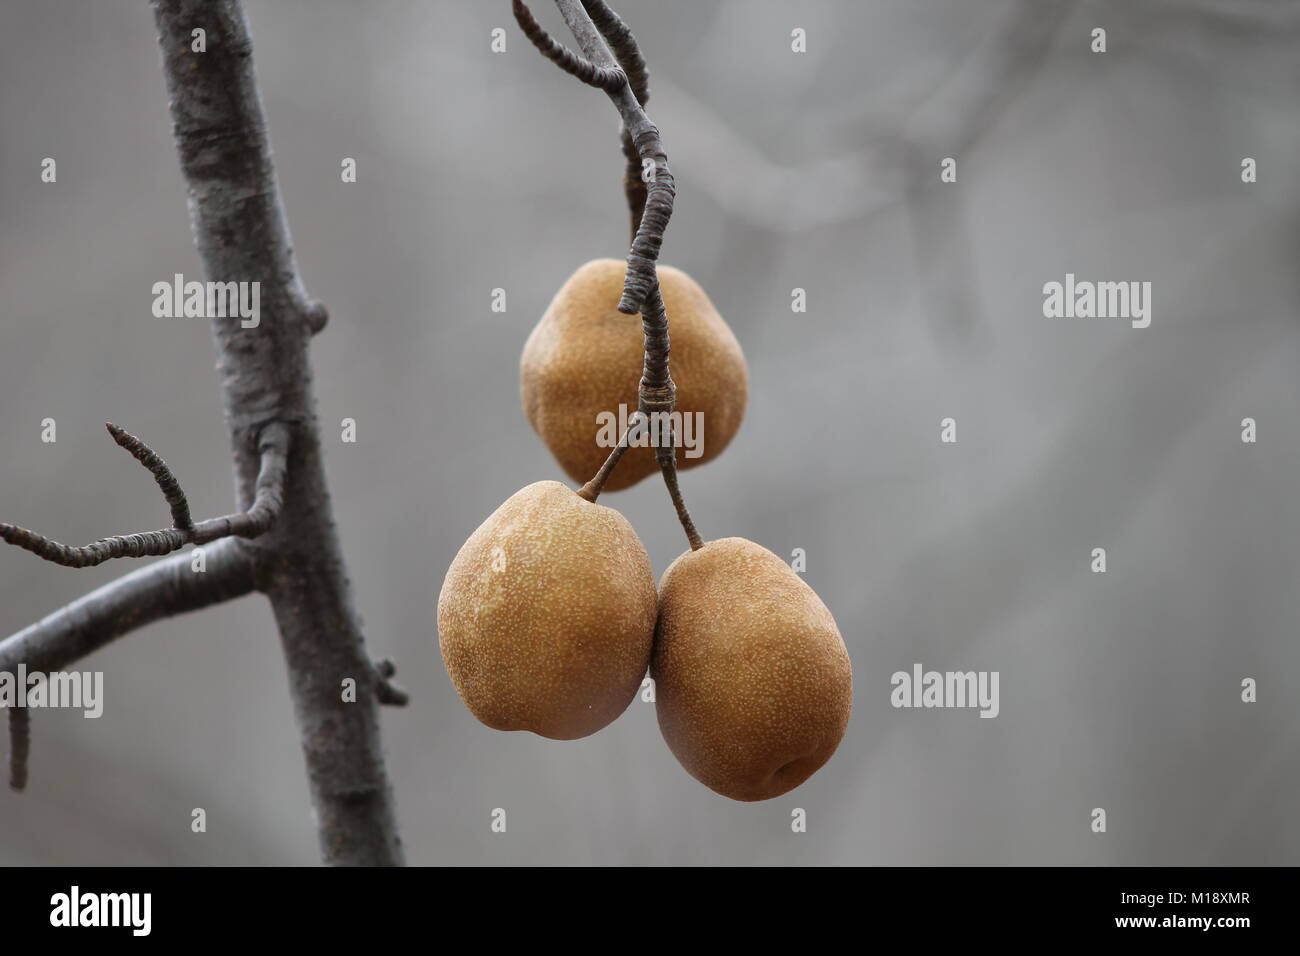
[[547, 613], [584, 359], [753, 684]]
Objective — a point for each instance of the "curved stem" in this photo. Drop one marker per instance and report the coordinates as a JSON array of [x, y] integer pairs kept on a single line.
[[609, 45]]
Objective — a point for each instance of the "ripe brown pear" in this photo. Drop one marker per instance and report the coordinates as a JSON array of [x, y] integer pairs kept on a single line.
[[547, 614], [584, 358], [753, 684]]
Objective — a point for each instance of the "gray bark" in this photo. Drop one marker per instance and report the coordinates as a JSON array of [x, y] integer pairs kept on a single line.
[[241, 234]]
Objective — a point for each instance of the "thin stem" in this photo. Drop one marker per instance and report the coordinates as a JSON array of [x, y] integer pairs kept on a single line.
[[20, 747], [669, 470], [592, 489], [628, 53], [658, 394], [603, 78]]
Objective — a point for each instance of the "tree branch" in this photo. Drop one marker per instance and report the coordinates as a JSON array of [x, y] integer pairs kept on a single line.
[[273, 445], [241, 235], [162, 589]]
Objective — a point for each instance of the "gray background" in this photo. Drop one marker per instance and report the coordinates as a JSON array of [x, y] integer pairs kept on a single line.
[[818, 171]]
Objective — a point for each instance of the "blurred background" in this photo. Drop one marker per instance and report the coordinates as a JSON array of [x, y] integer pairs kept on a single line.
[[818, 171]]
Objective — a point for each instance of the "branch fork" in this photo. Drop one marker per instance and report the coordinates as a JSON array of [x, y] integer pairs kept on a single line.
[[273, 448]]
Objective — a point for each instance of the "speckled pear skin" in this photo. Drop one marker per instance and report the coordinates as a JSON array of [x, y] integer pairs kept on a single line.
[[547, 614], [753, 684], [584, 357]]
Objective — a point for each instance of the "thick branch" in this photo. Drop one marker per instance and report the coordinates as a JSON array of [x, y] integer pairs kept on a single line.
[[162, 589], [241, 234]]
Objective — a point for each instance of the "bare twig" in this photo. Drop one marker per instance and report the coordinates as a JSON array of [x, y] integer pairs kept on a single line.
[[623, 45], [387, 692], [273, 447], [171, 488], [20, 746], [603, 78], [628, 54]]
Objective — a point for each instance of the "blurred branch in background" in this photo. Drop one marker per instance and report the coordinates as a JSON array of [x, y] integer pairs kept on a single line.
[[950, 123]]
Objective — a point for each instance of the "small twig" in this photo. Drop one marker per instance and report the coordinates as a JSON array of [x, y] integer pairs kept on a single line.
[[273, 447], [20, 746], [171, 488], [623, 45], [625, 49], [387, 692], [603, 78]]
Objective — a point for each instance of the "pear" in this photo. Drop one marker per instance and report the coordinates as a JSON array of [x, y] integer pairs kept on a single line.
[[584, 358], [753, 684], [546, 616]]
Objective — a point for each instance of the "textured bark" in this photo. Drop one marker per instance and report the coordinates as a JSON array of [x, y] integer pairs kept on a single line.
[[241, 234], [156, 591]]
